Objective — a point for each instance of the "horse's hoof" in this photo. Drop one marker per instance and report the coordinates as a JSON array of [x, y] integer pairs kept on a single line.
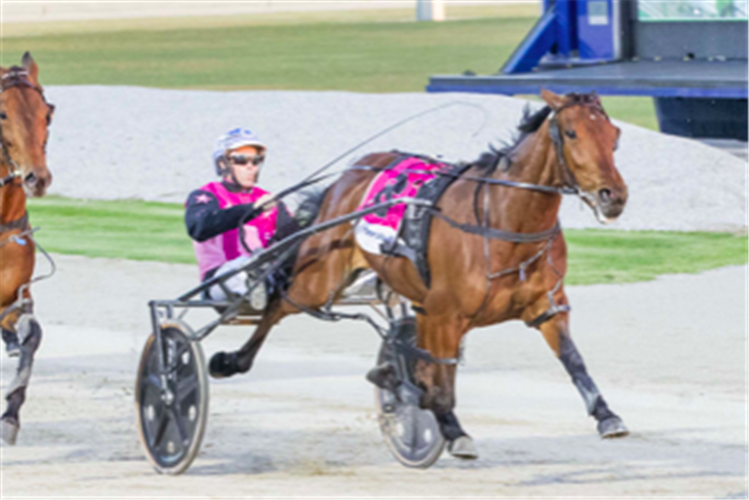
[[9, 431], [463, 448], [224, 365], [612, 427]]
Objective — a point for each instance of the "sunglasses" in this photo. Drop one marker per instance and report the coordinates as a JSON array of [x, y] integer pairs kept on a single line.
[[244, 159]]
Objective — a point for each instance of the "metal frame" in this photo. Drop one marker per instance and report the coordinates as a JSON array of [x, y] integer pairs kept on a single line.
[[165, 309]]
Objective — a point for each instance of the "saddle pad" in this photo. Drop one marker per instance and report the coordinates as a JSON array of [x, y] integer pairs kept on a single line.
[[402, 179]]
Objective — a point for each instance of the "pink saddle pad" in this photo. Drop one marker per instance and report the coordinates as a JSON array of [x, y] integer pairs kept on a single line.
[[400, 181]]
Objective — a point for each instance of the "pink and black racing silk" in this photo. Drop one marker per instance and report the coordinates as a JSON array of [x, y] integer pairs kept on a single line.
[[403, 179], [258, 232]]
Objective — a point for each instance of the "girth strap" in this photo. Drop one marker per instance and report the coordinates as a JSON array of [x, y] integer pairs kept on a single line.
[[499, 234], [20, 223], [548, 314]]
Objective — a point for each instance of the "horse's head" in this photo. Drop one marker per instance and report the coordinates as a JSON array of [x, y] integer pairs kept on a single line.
[[585, 139], [24, 118]]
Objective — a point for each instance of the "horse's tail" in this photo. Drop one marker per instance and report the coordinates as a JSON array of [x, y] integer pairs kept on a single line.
[[305, 207], [310, 203]]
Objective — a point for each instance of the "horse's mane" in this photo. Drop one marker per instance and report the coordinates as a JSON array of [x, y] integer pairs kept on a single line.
[[529, 124]]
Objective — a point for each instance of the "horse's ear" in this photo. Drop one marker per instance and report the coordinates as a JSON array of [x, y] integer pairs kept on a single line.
[[554, 101], [30, 65]]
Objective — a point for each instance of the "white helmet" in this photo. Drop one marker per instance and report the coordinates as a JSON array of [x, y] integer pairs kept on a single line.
[[233, 139]]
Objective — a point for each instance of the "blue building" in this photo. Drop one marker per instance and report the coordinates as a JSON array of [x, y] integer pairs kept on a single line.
[[690, 56]]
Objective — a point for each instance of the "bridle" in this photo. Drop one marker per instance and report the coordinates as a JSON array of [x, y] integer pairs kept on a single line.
[[17, 77], [569, 182]]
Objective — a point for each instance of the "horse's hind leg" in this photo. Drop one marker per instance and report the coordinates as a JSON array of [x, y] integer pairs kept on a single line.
[[30, 336], [225, 364], [556, 333]]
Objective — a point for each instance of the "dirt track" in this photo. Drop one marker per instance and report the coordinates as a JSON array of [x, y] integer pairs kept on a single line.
[[670, 356]]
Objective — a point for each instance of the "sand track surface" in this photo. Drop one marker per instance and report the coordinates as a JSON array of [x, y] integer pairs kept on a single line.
[[669, 356]]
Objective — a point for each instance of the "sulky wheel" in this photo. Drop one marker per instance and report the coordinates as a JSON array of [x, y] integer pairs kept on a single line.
[[412, 433], [172, 405]]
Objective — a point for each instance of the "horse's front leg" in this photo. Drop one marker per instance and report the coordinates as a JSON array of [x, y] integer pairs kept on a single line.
[[556, 333], [442, 339], [30, 336]]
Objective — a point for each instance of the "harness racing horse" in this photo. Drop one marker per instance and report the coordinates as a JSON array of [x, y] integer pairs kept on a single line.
[[495, 251], [24, 118]]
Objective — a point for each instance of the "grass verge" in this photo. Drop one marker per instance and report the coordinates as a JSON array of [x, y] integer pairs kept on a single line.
[[139, 230], [192, 16], [362, 51]]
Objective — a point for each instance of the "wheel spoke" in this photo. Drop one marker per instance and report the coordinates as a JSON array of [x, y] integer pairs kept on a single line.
[[414, 428], [154, 381], [160, 431], [186, 386], [180, 425]]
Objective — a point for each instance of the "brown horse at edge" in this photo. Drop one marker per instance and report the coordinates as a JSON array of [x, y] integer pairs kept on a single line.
[[476, 281], [24, 118]]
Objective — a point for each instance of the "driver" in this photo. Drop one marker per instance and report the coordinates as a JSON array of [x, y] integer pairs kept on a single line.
[[213, 212]]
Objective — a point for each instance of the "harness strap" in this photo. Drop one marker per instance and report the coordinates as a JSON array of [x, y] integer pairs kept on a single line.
[[548, 314], [20, 223], [329, 315], [10, 177], [422, 354], [499, 234]]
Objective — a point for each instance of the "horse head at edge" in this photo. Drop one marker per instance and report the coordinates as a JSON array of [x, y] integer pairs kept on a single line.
[[587, 140], [25, 116]]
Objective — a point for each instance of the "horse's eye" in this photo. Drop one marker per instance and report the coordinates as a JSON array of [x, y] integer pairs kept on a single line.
[[571, 134], [3, 116]]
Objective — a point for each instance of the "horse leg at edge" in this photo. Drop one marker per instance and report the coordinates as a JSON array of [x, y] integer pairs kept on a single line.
[[30, 336], [438, 382], [225, 364], [556, 333]]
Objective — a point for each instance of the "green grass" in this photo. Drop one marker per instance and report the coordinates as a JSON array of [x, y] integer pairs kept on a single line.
[[354, 51], [135, 230], [605, 256], [402, 15], [140, 230], [365, 57]]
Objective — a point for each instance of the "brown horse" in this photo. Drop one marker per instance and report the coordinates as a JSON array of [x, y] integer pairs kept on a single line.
[[24, 118], [509, 265]]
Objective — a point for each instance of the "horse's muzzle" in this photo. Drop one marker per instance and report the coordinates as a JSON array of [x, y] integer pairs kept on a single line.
[[611, 202], [36, 185]]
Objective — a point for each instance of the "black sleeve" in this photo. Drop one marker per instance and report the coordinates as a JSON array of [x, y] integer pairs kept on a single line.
[[205, 219]]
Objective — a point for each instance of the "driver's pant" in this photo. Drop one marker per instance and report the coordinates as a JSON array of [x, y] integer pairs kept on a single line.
[[236, 284]]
